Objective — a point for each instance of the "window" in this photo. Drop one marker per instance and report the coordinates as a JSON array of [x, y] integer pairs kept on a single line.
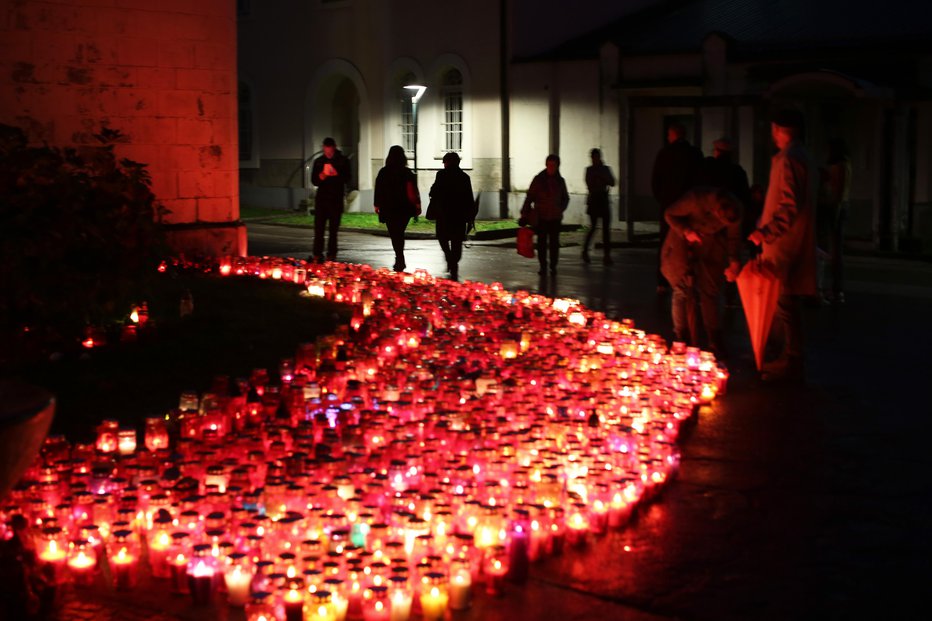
[[407, 114], [245, 122], [452, 92]]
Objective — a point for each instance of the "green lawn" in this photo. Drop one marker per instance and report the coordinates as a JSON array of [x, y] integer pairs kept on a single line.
[[369, 221], [238, 324]]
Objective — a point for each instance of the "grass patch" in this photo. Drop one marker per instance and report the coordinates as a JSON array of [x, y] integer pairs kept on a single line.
[[357, 220], [238, 324]]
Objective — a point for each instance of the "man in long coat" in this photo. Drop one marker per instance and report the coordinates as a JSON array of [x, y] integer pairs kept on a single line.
[[786, 236]]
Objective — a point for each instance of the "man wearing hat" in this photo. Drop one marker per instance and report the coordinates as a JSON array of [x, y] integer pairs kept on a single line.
[[786, 235]]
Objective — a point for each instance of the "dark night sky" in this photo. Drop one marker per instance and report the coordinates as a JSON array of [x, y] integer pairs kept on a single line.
[[542, 24]]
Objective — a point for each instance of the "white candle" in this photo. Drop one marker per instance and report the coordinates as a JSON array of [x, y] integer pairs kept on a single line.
[[460, 587], [238, 580]]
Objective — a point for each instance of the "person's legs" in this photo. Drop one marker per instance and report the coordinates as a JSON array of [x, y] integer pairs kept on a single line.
[[838, 254], [606, 238], [709, 280], [396, 230], [320, 223], [334, 224], [679, 309], [593, 220], [662, 285], [790, 363], [542, 241], [554, 245]]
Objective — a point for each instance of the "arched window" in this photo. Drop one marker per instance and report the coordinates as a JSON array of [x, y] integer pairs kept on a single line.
[[407, 113], [245, 122], [452, 92]]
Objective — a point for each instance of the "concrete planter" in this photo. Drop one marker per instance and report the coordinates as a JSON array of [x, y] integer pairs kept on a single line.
[[26, 413]]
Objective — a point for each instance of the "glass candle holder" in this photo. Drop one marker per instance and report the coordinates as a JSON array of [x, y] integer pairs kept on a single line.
[[376, 604], [124, 559], [82, 562], [237, 575], [495, 568], [434, 596], [400, 596], [202, 571], [293, 598]]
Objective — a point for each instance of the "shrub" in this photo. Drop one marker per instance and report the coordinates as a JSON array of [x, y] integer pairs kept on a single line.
[[79, 237]]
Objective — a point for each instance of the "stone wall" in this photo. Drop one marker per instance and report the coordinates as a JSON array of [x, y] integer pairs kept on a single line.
[[163, 74]]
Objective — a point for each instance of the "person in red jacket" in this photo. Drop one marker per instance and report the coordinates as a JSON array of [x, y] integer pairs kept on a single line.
[[543, 209]]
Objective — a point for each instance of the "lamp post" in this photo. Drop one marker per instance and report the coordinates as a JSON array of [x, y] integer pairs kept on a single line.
[[417, 93]]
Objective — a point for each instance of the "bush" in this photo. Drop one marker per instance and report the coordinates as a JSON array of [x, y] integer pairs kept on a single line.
[[79, 238]]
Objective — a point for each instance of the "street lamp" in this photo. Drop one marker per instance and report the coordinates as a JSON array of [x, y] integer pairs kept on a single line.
[[417, 92]]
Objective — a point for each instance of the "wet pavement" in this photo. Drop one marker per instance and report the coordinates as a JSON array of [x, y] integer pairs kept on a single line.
[[792, 502]]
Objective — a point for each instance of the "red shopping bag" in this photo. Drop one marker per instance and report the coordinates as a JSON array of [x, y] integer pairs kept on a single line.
[[526, 242]]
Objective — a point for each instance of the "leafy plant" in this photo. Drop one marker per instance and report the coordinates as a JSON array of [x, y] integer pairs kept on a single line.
[[79, 237]]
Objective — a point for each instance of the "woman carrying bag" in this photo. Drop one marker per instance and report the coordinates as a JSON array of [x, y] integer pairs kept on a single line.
[[397, 200]]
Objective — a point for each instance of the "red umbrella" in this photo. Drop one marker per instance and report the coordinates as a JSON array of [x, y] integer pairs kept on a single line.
[[759, 289]]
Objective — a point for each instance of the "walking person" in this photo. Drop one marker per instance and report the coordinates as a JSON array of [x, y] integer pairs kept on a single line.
[[700, 253], [599, 179], [397, 200], [834, 194], [786, 235], [674, 172], [453, 208], [543, 209], [331, 174]]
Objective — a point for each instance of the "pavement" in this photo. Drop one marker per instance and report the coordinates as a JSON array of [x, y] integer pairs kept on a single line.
[[792, 502]]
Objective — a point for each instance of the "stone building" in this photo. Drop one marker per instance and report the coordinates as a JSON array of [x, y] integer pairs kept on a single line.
[[313, 69], [161, 73]]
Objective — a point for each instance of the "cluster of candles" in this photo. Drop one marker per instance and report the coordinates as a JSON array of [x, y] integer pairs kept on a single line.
[[449, 436]]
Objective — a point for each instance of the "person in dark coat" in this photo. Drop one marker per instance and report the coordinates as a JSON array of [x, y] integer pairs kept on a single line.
[[397, 200], [700, 252], [720, 170], [674, 173], [599, 179], [454, 210], [543, 209], [331, 175], [786, 235]]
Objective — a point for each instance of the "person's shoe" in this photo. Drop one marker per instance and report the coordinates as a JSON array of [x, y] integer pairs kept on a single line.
[[585, 256], [399, 267], [454, 274], [839, 298], [331, 257], [607, 260], [785, 369], [717, 345]]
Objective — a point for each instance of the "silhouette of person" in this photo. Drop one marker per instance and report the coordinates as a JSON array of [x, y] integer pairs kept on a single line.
[[700, 252], [331, 175], [543, 209], [673, 174], [786, 235], [832, 213], [396, 200], [599, 179], [454, 210]]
